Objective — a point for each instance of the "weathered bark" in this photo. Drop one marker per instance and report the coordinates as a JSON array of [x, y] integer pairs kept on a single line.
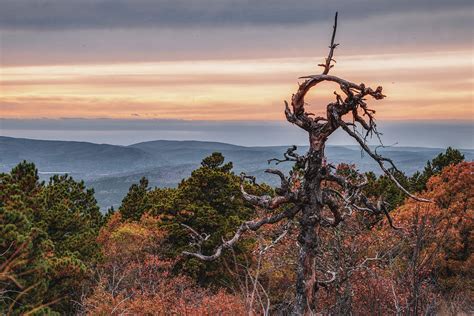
[[307, 278], [306, 282], [305, 189]]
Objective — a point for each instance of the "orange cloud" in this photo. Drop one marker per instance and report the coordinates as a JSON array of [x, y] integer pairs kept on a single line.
[[421, 86]]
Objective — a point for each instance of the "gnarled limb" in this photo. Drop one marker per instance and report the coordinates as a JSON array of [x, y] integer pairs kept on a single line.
[[334, 208], [266, 201], [249, 225], [285, 185], [352, 199], [380, 161], [301, 120], [275, 241], [379, 208], [335, 178], [197, 238], [289, 155], [330, 280]]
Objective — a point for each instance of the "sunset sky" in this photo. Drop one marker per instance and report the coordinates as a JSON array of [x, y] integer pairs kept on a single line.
[[219, 60]]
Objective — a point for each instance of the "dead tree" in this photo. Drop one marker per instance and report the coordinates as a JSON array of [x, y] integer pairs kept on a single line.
[[305, 193]]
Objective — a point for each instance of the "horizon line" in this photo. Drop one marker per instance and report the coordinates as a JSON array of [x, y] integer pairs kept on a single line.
[[225, 143]]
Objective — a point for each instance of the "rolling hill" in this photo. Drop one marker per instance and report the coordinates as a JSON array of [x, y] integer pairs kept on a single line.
[[111, 169]]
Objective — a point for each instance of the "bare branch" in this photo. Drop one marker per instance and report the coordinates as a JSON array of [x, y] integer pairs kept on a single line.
[[249, 225], [330, 280], [380, 160], [285, 185], [197, 239], [301, 120], [334, 208], [265, 201], [285, 231], [380, 208], [327, 65], [289, 155], [202, 236]]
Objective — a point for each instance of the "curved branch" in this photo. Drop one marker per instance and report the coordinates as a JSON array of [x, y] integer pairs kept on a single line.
[[249, 225], [350, 199], [265, 201], [299, 116], [297, 100], [335, 178], [330, 280], [290, 155], [334, 208], [380, 160], [377, 209], [359, 119], [301, 120], [275, 241], [284, 186]]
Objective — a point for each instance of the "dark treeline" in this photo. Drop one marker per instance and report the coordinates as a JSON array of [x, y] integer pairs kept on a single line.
[[60, 255]]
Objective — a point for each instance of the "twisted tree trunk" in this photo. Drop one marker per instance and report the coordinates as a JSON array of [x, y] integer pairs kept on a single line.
[[306, 189], [306, 279]]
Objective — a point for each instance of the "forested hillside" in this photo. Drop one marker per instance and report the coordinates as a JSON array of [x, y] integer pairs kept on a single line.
[[111, 169], [60, 255]]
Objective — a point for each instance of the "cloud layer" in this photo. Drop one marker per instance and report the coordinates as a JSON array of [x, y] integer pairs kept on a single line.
[[229, 59], [94, 14], [417, 85]]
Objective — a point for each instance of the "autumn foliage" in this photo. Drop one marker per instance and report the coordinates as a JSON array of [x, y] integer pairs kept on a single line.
[[423, 266], [59, 255], [438, 240], [134, 277]]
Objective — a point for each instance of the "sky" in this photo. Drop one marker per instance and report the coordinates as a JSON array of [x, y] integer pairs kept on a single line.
[[218, 61]]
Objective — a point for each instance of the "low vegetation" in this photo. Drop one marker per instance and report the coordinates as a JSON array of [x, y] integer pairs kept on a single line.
[[60, 255]]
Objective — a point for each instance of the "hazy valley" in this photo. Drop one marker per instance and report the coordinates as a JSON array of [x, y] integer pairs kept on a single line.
[[111, 169]]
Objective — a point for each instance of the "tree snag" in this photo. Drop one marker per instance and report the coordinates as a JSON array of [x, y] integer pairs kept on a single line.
[[306, 192]]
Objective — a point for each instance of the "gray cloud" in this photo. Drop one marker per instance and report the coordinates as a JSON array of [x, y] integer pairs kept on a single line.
[[99, 14], [397, 32]]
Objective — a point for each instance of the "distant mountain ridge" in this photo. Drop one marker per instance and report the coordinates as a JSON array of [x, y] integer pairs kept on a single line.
[[111, 169]]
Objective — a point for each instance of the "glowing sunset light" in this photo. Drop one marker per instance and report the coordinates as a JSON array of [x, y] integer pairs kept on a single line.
[[228, 89]]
